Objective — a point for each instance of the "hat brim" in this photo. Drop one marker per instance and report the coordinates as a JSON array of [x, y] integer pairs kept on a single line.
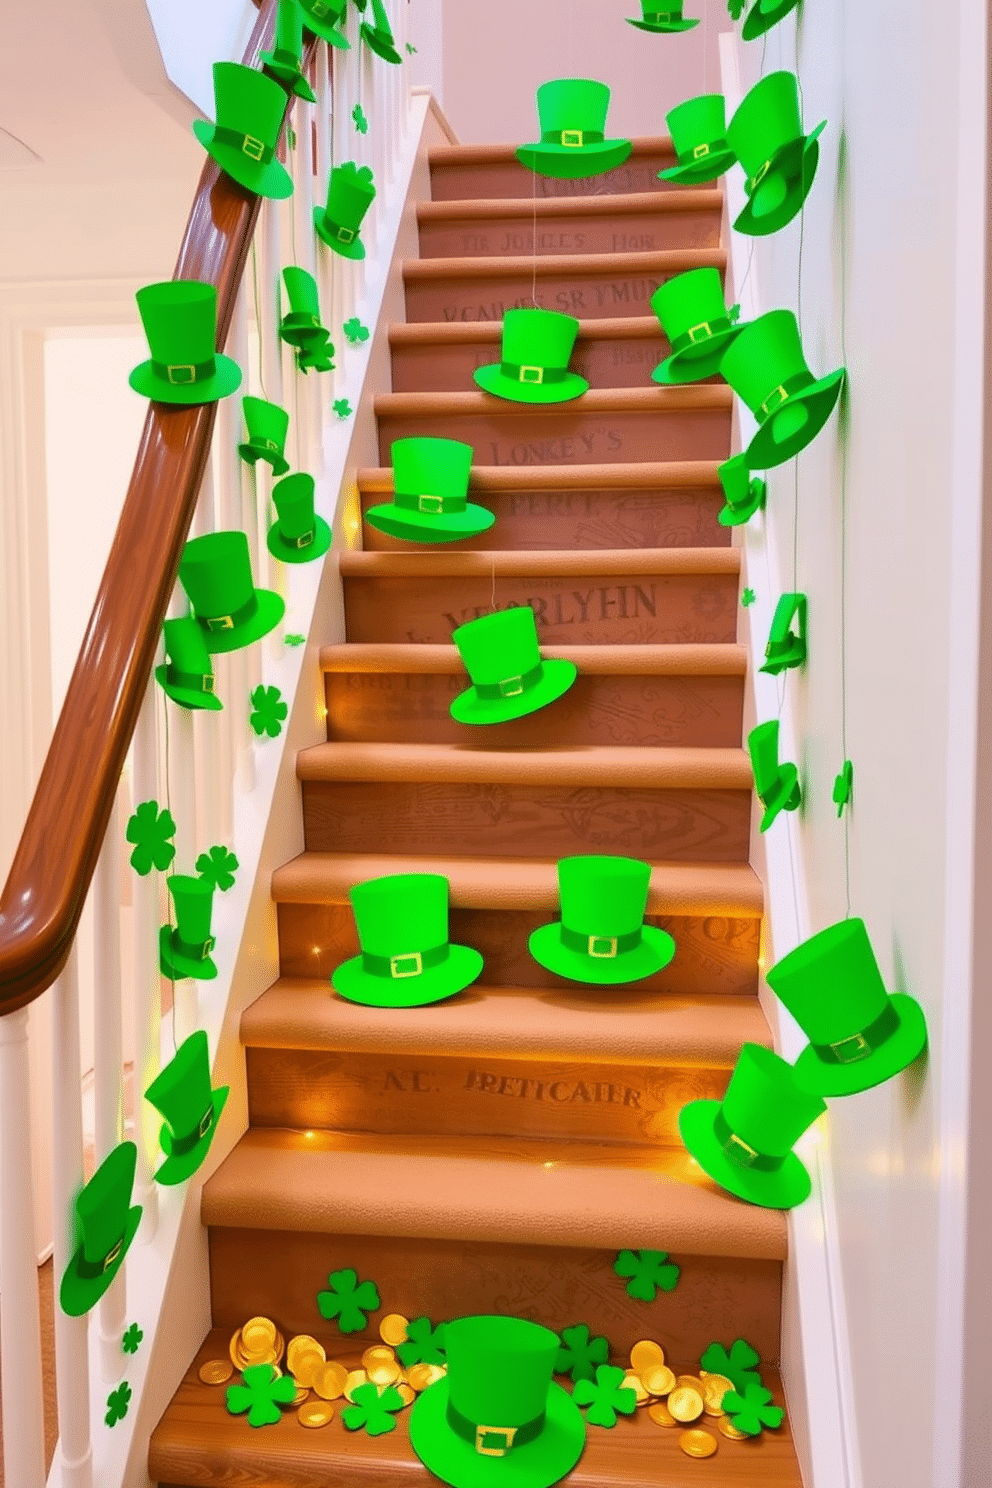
[[352, 982], [572, 162], [736, 516], [271, 609], [788, 797], [251, 455], [204, 702], [700, 171], [492, 380], [177, 1169], [78, 1293], [426, 527], [756, 23], [558, 677], [664, 26], [226, 380], [270, 179], [655, 951], [695, 362], [797, 186], [354, 250], [765, 451], [534, 1465], [817, 1077], [326, 31], [381, 43], [784, 1189], [287, 74], [287, 552], [178, 967], [302, 336]]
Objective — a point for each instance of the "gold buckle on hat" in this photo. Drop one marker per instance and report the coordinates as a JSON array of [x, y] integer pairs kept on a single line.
[[306, 539], [610, 942], [424, 505], [767, 407], [208, 682], [170, 372], [394, 965], [857, 1043], [703, 326], [507, 1432], [206, 1122], [208, 946], [758, 176], [537, 378], [698, 151], [511, 687], [252, 147], [572, 138], [112, 1254], [319, 8], [735, 1146], [346, 235], [220, 622], [269, 444]]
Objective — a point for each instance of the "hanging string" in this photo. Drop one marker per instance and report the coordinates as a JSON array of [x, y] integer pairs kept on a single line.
[[843, 535], [258, 317]]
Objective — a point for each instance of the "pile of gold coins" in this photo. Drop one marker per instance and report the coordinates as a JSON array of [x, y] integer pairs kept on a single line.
[[679, 1400]]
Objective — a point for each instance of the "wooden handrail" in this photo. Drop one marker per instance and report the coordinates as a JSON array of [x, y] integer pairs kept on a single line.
[[50, 875]]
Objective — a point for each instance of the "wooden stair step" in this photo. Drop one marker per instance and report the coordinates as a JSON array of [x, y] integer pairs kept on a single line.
[[474, 171]]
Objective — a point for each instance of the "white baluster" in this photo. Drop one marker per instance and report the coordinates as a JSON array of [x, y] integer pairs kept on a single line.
[[247, 663], [268, 244], [108, 1058], [323, 111], [147, 978], [207, 725]]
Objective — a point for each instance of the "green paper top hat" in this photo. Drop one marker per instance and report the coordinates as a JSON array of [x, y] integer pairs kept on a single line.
[[669, 18], [765, 366], [182, 1094], [188, 676], [406, 958], [180, 321], [743, 496], [572, 116], [301, 326], [350, 193], [300, 535], [215, 571], [698, 129], [322, 16], [497, 1417], [430, 482], [601, 937], [185, 950], [697, 323], [786, 647], [766, 135], [250, 108], [106, 1222], [533, 368], [509, 677], [859, 1035], [267, 424], [777, 785], [379, 35], [765, 14], [284, 59], [745, 1143]]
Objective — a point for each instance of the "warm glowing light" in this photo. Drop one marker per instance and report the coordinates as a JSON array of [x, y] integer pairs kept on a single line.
[[316, 950], [550, 1165]]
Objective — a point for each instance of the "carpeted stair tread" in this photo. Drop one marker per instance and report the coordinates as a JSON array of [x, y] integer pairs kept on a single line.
[[699, 397], [666, 261], [540, 563], [697, 199], [696, 659]]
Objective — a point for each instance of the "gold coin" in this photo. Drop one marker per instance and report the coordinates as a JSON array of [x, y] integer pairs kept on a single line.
[[423, 1375], [661, 1415], [659, 1380], [315, 1413], [303, 1342], [234, 1349], [408, 1392], [258, 1334], [300, 1396], [379, 1353], [279, 1346], [697, 1443], [715, 1386], [685, 1405], [384, 1371], [269, 1357], [305, 1366], [632, 1381], [393, 1328], [646, 1355], [329, 1380], [690, 1382], [216, 1371], [356, 1378], [726, 1428]]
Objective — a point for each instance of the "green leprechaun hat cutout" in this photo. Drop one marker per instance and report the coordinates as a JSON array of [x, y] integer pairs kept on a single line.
[[742, 495], [697, 323], [509, 677], [301, 326], [533, 368], [322, 17], [766, 135], [379, 36], [698, 129], [668, 19], [182, 1095], [745, 1143], [187, 677], [267, 425], [765, 367], [497, 1417], [250, 108], [185, 950], [430, 482], [215, 571], [350, 193], [602, 938], [284, 58], [180, 321], [765, 14], [406, 959], [777, 785], [106, 1222], [786, 647], [299, 536], [572, 116], [859, 1035]]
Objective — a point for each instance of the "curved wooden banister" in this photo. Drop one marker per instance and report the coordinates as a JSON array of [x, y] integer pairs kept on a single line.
[[50, 876]]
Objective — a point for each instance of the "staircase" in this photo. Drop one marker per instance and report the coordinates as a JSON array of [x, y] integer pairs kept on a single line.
[[492, 1154]]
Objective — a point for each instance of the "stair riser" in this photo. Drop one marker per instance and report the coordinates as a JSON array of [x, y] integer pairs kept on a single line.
[[629, 232], [503, 179], [392, 708], [588, 295], [619, 362], [715, 954], [278, 1275]]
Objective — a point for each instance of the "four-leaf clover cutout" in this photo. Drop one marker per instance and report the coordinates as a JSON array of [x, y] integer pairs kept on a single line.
[[342, 408], [579, 1354], [259, 1395], [843, 785], [738, 1365], [355, 331], [649, 1271], [748, 597], [131, 1339], [361, 123], [217, 865], [117, 1403], [151, 830], [607, 1396], [411, 49], [424, 1343], [295, 640], [268, 713], [752, 1410], [372, 1409], [348, 1300]]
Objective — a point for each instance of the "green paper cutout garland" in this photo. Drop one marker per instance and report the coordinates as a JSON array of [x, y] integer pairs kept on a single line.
[[151, 830]]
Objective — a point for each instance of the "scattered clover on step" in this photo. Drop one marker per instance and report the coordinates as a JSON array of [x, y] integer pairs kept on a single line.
[[739, 1365], [117, 1403], [579, 1354], [843, 784], [361, 123], [348, 1300], [131, 1339], [342, 408], [218, 865], [648, 1272], [269, 711], [355, 331], [295, 640], [424, 1343], [748, 597], [373, 1410], [607, 1396], [152, 831], [259, 1395], [752, 1410]]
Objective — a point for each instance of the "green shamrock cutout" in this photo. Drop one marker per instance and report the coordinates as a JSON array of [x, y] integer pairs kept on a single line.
[[361, 123], [424, 1343], [579, 1354], [151, 830], [737, 1365], [131, 1339], [348, 1300], [259, 1394], [750, 1411], [316, 357], [269, 711], [355, 331], [217, 865], [117, 1403], [372, 1409], [647, 1271], [843, 784], [342, 408], [607, 1396], [748, 597], [411, 49], [295, 640]]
